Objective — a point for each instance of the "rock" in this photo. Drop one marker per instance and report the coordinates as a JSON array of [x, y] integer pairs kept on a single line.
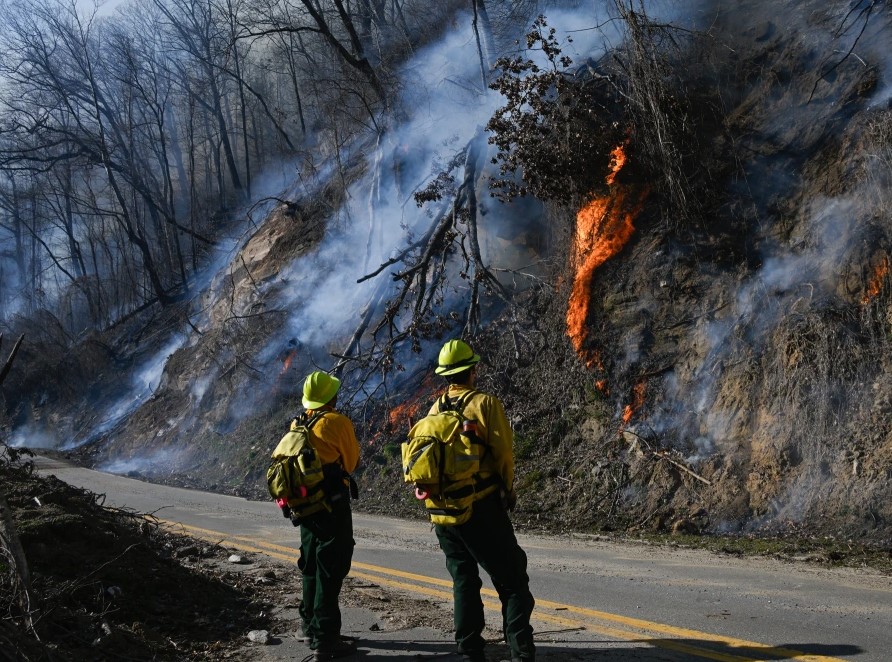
[[235, 558], [259, 636], [684, 526]]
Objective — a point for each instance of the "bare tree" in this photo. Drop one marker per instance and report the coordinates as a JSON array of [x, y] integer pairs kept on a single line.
[[192, 29]]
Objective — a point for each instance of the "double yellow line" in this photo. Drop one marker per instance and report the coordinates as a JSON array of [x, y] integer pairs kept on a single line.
[[708, 646]]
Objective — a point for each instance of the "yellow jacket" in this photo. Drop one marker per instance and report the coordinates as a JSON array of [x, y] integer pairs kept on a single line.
[[493, 428], [334, 439]]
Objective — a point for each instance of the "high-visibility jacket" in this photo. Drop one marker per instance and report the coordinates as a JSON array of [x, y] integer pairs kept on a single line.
[[495, 431], [334, 439]]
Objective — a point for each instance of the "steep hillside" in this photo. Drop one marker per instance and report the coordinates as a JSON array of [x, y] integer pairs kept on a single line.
[[699, 342]]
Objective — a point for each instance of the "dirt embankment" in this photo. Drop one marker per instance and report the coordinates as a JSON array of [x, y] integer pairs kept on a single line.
[[107, 584]]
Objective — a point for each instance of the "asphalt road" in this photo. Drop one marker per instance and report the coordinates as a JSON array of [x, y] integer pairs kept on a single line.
[[596, 599]]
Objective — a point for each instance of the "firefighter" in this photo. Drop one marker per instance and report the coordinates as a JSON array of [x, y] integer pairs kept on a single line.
[[326, 538], [487, 538]]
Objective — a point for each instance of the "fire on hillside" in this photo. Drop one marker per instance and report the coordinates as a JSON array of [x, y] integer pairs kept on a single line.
[[875, 285], [637, 400], [603, 227], [402, 416]]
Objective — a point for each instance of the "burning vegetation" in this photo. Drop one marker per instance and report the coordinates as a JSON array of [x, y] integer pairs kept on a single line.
[[878, 277], [603, 227], [414, 405], [634, 406]]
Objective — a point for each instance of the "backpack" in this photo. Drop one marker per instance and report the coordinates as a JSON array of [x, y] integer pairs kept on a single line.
[[443, 462], [296, 474]]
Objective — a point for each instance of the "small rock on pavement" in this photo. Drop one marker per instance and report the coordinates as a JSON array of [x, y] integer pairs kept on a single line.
[[235, 558], [258, 636]]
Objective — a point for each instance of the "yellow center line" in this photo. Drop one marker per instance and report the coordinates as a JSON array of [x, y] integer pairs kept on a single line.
[[635, 630]]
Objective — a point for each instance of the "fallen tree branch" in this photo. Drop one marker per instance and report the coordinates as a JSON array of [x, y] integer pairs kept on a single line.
[[73, 585], [679, 465], [15, 350], [10, 543], [662, 455]]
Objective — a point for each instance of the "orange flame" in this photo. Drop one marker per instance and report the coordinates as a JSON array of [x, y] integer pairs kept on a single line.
[[876, 281], [637, 400], [603, 226], [286, 366], [408, 411], [617, 161], [401, 417], [289, 359]]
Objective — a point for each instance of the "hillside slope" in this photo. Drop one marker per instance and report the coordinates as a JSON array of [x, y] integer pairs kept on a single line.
[[725, 371]]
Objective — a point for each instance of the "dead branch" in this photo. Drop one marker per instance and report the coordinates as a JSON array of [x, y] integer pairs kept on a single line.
[[863, 14], [365, 319], [646, 450], [15, 350], [75, 584], [21, 575], [481, 271], [679, 465], [409, 311]]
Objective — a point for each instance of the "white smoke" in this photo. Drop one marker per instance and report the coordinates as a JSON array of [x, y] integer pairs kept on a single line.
[[447, 106], [140, 387], [34, 436], [161, 461]]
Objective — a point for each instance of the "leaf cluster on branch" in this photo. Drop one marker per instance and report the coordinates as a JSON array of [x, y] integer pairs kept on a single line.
[[557, 126]]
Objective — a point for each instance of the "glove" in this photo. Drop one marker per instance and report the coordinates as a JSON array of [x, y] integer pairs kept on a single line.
[[283, 504]]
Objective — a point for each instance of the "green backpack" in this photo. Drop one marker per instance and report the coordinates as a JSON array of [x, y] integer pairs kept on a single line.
[[296, 474], [442, 461]]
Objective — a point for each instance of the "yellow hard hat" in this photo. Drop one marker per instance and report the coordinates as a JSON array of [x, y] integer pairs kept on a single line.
[[319, 389], [456, 356]]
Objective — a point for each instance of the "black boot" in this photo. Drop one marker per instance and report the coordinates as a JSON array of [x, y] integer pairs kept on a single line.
[[334, 650]]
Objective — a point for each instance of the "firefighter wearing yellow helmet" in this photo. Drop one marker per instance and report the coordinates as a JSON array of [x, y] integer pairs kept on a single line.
[[326, 538], [485, 538]]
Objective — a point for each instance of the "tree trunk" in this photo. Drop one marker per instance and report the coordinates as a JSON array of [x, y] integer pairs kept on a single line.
[[18, 234], [292, 68], [237, 61]]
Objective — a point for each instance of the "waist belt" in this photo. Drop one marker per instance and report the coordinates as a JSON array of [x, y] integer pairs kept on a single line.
[[478, 486]]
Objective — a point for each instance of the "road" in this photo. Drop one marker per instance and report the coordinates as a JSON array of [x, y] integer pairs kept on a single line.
[[595, 599]]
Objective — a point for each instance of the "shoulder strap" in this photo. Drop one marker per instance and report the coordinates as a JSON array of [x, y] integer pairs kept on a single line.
[[315, 417], [301, 419], [445, 403], [462, 402]]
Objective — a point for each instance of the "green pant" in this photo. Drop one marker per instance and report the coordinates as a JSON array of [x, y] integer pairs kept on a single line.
[[326, 550], [487, 540]]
